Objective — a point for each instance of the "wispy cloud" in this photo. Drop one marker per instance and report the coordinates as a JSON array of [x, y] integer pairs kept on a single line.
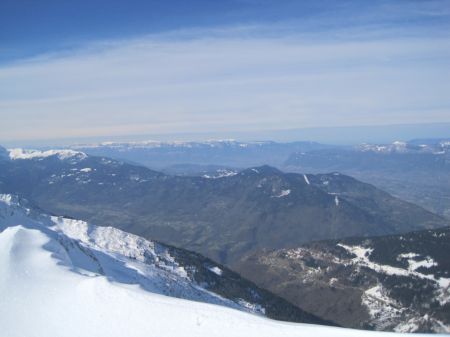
[[236, 78]]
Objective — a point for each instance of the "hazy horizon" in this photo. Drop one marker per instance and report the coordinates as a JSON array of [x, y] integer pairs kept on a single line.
[[235, 66], [349, 135]]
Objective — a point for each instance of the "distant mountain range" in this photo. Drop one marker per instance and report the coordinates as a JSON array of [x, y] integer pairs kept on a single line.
[[416, 171], [432, 146], [397, 282], [223, 218], [231, 153], [260, 221]]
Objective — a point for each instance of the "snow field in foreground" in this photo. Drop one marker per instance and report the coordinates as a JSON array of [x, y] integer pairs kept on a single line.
[[42, 294]]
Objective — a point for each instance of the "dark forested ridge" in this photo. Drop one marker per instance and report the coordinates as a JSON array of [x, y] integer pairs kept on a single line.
[[222, 218]]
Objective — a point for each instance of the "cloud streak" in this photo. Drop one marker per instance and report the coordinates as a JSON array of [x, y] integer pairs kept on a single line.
[[236, 78]]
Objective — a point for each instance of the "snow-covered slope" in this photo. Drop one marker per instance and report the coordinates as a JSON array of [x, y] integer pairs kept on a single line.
[[94, 251], [63, 277]]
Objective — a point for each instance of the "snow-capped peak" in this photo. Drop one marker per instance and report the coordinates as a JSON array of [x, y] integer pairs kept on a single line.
[[405, 147], [396, 146], [19, 153]]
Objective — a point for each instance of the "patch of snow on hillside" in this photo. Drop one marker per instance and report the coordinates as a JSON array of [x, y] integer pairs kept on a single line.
[[86, 170], [407, 255], [216, 270], [444, 291], [381, 307], [363, 259], [283, 193], [220, 174], [387, 313], [306, 179], [414, 323], [333, 281], [396, 146], [362, 253], [428, 262], [336, 200], [6, 198], [252, 306]]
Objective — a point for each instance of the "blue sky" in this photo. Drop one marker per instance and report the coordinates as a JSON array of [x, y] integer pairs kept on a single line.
[[33, 27], [83, 68]]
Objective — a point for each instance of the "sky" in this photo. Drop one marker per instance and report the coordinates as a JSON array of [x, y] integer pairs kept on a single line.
[[108, 69]]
